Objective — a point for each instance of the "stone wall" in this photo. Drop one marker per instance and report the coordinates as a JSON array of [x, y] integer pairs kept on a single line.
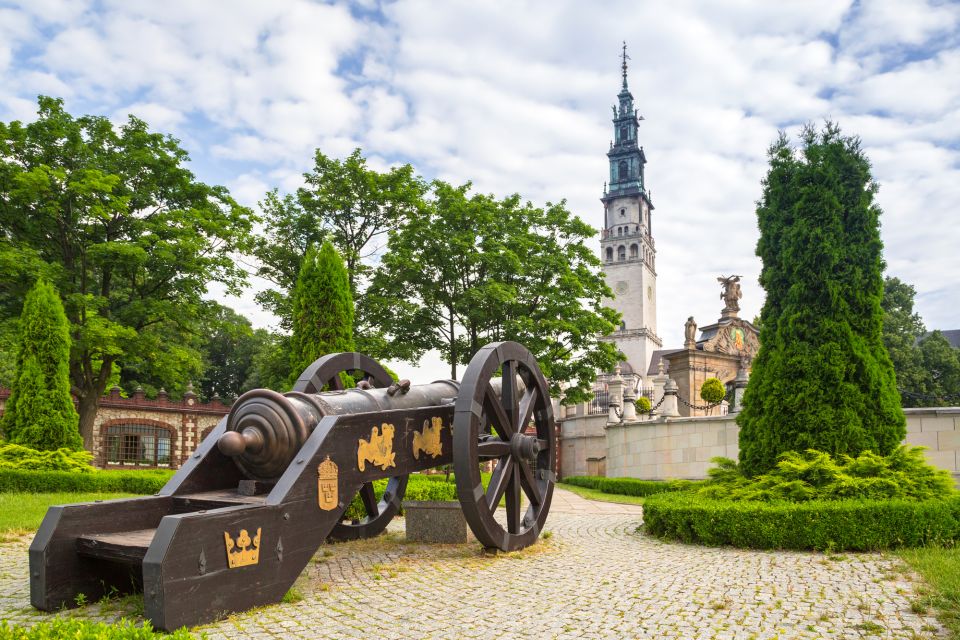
[[187, 420], [682, 447]]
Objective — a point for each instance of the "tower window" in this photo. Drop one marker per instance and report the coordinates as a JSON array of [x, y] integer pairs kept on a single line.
[[623, 326], [633, 252], [624, 134], [621, 252], [609, 254], [623, 213], [624, 172], [619, 231]]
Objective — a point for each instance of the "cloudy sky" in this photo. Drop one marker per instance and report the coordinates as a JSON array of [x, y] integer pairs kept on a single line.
[[516, 97]]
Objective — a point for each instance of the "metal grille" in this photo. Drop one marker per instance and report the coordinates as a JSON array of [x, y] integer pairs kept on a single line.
[[138, 444], [600, 402]]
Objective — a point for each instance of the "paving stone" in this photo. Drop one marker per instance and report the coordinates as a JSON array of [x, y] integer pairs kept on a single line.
[[595, 577]]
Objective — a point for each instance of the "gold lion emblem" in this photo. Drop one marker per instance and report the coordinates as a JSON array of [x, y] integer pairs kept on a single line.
[[378, 450], [428, 440]]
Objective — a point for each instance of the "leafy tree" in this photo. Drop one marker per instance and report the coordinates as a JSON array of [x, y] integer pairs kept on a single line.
[[129, 236], [322, 309], [40, 413], [469, 269], [230, 347], [902, 328], [940, 364], [354, 207], [823, 379]]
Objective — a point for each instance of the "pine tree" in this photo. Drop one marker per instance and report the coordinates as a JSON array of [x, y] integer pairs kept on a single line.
[[40, 412], [322, 309], [823, 378]]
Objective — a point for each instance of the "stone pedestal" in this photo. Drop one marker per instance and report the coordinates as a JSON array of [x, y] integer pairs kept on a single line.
[[669, 407], [429, 521]]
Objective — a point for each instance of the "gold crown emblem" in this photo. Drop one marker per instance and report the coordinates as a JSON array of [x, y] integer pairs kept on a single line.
[[244, 551], [327, 469]]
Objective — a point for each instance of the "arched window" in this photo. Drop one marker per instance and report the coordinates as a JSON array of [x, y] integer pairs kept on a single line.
[[623, 172], [619, 231], [633, 251], [623, 326], [623, 213], [621, 252], [624, 134], [609, 254], [140, 444]]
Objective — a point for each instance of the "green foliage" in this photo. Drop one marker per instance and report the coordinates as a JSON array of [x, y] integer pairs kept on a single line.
[[830, 525], [814, 475], [940, 364], [230, 348], [468, 269], [15, 456], [24, 481], [713, 390], [40, 412], [113, 217], [822, 379], [630, 486], [354, 207], [419, 487], [79, 629], [9, 336], [643, 404], [322, 309]]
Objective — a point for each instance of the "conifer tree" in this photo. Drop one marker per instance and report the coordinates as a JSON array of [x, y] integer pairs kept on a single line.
[[322, 309], [823, 378], [40, 412]]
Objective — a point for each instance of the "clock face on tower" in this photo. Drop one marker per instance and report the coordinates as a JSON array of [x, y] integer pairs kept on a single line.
[[622, 287]]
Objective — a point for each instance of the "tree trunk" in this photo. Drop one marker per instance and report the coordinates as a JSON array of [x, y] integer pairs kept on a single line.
[[453, 348], [89, 402]]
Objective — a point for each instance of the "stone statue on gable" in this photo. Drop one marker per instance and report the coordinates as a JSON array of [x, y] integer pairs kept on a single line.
[[730, 295]]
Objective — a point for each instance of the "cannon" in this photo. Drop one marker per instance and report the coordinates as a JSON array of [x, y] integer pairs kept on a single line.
[[238, 522]]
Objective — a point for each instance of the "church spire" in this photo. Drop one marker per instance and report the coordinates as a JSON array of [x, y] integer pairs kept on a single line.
[[623, 63]]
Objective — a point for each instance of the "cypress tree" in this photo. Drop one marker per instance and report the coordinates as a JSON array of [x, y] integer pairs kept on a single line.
[[823, 378], [40, 412], [322, 308]]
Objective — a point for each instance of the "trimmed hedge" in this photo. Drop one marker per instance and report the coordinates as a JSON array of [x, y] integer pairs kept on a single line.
[[855, 525], [78, 629], [631, 486], [142, 482]]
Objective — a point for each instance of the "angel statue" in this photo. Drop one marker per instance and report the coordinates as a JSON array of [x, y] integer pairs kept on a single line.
[[731, 293]]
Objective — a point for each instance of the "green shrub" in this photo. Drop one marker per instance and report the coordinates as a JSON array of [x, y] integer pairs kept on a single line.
[[630, 486], [643, 404], [15, 456], [712, 390], [814, 475], [141, 482], [855, 525], [78, 629], [419, 487]]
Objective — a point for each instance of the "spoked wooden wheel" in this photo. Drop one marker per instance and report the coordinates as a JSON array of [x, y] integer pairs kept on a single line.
[[489, 425], [325, 372]]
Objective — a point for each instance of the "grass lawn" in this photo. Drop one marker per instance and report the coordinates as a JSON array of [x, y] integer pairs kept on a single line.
[[593, 494], [22, 512], [940, 569]]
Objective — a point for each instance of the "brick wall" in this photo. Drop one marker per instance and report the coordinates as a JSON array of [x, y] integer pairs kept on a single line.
[[187, 420]]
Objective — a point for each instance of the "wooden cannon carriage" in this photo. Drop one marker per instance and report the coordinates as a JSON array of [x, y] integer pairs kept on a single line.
[[236, 525]]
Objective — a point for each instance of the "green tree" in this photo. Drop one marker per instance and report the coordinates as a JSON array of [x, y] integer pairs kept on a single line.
[[823, 379], [40, 413], [470, 269], [322, 309], [940, 364], [354, 207], [902, 328], [128, 235], [230, 347]]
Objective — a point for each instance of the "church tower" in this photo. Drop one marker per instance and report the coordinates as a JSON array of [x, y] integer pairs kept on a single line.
[[626, 244]]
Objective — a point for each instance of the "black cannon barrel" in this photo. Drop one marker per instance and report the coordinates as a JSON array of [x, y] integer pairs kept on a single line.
[[265, 429]]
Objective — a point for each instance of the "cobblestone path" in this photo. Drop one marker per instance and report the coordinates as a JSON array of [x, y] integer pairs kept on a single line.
[[593, 577]]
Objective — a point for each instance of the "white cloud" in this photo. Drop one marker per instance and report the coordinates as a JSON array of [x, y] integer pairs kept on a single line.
[[516, 97]]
